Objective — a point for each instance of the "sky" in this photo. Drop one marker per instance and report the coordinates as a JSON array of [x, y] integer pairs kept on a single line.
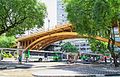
[[52, 13]]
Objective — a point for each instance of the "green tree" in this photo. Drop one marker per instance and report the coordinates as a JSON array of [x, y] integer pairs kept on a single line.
[[98, 46], [7, 42], [95, 17], [16, 16], [68, 47]]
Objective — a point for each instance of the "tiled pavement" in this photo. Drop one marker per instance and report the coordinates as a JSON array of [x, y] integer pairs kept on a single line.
[[81, 69], [62, 68], [91, 69]]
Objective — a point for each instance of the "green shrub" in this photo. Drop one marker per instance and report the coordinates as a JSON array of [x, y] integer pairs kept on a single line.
[[10, 55], [5, 55], [1, 54]]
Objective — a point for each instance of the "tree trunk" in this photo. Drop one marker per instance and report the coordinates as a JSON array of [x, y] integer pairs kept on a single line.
[[76, 57], [114, 56], [111, 48], [115, 62], [1, 55], [70, 58]]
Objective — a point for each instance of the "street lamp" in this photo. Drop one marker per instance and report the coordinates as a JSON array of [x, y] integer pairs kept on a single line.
[[48, 24]]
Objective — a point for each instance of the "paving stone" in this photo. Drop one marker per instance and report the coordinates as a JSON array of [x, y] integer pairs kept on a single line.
[[3, 67]]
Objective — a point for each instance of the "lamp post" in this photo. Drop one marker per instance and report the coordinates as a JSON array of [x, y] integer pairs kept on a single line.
[[48, 24]]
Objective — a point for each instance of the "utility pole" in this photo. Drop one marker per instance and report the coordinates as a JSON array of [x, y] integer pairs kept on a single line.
[[48, 24]]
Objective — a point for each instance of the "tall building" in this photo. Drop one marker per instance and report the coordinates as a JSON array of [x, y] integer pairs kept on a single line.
[[81, 44], [61, 14]]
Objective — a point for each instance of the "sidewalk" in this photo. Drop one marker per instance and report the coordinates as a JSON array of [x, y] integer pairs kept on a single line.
[[78, 70], [58, 69], [10, 63], [59, 73], [67, 73]]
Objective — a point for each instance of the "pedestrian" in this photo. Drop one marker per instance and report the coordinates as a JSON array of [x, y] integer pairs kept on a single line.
[[110, 59], [26, 59], [46, 56], [20, 59], [69, 61], [105, 60]]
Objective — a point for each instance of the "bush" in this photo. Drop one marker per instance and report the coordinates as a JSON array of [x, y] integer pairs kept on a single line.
[[10, 55], [5, 55]]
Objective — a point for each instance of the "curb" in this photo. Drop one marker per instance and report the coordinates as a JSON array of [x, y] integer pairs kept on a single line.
[[22, 66], [112, 75], [64, 76], [14, 67], [59, 73], [116, 75], [3, 67]]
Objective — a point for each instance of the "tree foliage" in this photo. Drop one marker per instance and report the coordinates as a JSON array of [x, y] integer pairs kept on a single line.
[[93, 17], [98, 46], [16, 16], [68, 47], [7, 42]]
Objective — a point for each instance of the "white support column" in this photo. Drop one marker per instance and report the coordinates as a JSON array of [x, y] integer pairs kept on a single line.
[[1, 55], [18, 46]]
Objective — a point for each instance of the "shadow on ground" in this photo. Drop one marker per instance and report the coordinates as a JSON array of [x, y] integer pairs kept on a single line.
[[90, 69], [13, 65]]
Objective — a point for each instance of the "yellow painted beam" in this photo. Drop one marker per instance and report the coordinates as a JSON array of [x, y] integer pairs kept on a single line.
[[53, 39], [62, 28], [60, 33], [62, 36]]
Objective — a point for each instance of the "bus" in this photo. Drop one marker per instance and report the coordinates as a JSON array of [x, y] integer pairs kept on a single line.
[[91, 57], [41, 55]]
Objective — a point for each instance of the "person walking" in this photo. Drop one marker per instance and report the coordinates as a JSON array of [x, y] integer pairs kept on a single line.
[[20, 59], [110, 59], [105, 60], [46, 56]]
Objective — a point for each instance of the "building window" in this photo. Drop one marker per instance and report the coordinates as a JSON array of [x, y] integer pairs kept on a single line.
[[88, 48], [77, 45], [82, 44], [82, 48], [87, 44]]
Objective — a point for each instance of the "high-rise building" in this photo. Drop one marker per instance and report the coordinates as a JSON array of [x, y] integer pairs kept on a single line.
[[61, 14], [81, 44]]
